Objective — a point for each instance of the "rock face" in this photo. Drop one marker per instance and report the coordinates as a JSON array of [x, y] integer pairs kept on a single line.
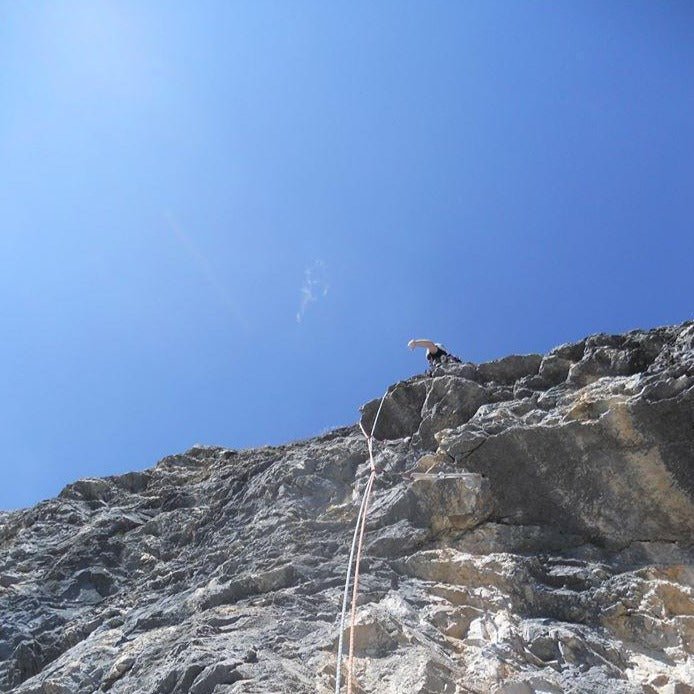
[[531, 531]]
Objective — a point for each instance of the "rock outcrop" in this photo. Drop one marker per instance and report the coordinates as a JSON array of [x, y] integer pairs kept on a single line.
[[531, 530]]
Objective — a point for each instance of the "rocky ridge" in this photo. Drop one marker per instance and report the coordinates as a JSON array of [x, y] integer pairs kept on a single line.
[[531, 531]]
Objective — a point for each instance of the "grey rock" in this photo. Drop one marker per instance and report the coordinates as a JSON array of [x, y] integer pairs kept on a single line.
[[219, 673], [530, 530], [449, 402], [509, 369], [455, 501], [554, 369], [571, 352], [401, 413]]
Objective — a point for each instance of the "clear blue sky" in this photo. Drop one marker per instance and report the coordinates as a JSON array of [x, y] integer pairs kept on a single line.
[[222, 221]]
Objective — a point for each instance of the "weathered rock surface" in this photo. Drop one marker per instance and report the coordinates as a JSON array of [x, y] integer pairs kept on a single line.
[[531, 531]]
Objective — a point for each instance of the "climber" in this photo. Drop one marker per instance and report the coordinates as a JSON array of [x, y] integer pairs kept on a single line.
[[436, 354]]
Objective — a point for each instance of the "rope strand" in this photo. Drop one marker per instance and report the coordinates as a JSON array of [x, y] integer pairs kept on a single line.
[[345, 597], [355, 590], [357, 542]]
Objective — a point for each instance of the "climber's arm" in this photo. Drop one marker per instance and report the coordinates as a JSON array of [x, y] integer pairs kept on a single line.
[[428, 344]]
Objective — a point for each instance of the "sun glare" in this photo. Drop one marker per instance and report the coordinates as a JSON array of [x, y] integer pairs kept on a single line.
[[97, 45]]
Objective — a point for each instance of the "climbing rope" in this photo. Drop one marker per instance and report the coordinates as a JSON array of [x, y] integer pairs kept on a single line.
[[355, 588], [357, 542], [346, 595]]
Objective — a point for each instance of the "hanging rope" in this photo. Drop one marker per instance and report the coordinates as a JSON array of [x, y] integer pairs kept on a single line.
[[355, 588], [345, 596], [357, 542]]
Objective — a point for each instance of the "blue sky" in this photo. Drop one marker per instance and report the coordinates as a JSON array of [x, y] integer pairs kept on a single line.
[[222, 221]]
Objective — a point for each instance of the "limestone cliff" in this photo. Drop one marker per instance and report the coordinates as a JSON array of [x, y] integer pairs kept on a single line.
[[531, 531]]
